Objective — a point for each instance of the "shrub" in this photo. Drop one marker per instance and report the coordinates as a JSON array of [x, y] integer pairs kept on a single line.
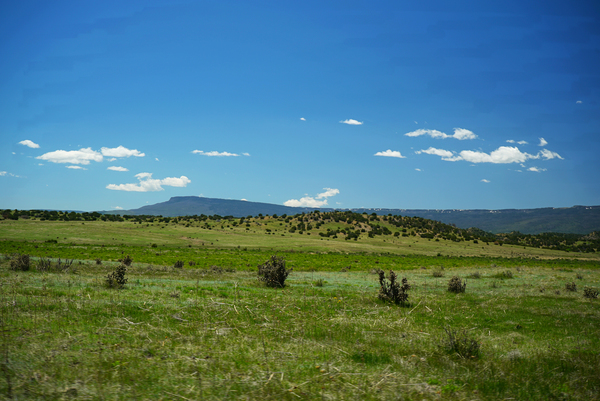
[[319, 283], [273, 272], [117, 278], [475, 275], [460, 343], [127, 260], [456, 285], [391, 291], [571, 286], [178, 264], [20, 262], [579, 276], [504, 275], [591, 293], [192, 263], [44, 264], [98, 261], [216, 269], [438, 273]]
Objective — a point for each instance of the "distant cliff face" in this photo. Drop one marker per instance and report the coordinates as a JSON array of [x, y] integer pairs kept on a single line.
[[573, 220]]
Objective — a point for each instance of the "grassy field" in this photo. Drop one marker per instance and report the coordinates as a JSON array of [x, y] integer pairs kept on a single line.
[[218, 333]]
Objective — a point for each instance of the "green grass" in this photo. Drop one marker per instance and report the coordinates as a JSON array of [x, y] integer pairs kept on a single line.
[[193, 333], [175, 333]]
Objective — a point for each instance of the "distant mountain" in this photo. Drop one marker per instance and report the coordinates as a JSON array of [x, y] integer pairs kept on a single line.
[[194, 205], [574, 220]]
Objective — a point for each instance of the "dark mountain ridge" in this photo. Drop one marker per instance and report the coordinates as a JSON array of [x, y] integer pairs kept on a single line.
[[573, 220]]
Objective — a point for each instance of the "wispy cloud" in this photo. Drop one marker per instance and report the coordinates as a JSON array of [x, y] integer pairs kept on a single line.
[[118, 208], [459, 133], [121, 151], [7, 174], [29, 144], [350, 121], [217, 154], [81, 156], [117, 168], [486, 181], [302, 118], [536, 169], [149, 184], [390, 153], [502, 155], [309, 201], [76, 167], [520, 142], [578, 102], [543, 142]]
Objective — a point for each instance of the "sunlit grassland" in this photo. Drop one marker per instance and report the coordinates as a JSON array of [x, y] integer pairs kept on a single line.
[[172, 240], [192, 334]]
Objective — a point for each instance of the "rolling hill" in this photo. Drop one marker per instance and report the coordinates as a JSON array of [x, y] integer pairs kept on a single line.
[[575, 220]]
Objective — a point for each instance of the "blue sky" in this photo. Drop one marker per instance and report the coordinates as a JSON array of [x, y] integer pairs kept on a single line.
[[424, 105]]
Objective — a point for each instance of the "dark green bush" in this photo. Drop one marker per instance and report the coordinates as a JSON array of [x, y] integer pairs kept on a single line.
[[456, 285], [127, 260], [458, 342], [273, 272], [571, 286], [391, 291], [591, 293], [178, 264], [438, 273], [20, 262], [117, 278]]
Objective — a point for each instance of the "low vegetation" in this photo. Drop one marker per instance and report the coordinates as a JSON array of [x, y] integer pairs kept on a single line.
[[133, 312]]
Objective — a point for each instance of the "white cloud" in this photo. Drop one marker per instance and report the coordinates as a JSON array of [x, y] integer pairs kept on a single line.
[[548, 154], [6, 173], [502, 155], [309, 201], [76, 167], [29, 143], [246, 154], [328, 193], [431, 132], [121, 151], [390, 153], [149, 184], [536, 169], [486, 181], [520, 142], [302, 118], [459, 133], [81, 156], [578, 102], [214, 153], [156, 158], [117, 168], [444, 154], [418, 169], [351, 122], [543, 142], [118, 208]]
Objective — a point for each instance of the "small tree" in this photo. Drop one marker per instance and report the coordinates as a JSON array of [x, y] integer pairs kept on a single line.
[[392, 291], [273, 272]]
